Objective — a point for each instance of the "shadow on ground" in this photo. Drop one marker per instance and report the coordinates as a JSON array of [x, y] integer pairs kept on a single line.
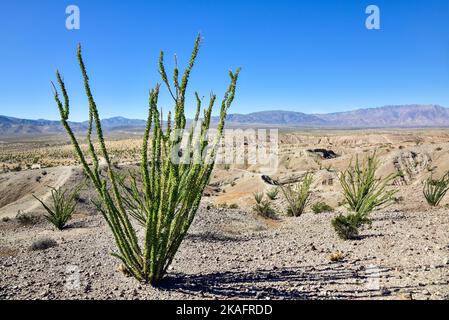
[[215, 237], [318, 282]]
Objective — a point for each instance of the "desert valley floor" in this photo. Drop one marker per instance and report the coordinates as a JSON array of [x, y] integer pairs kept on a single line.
[[231, 252]]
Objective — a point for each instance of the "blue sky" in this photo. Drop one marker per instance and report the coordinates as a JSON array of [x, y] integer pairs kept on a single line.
[[309, 56]]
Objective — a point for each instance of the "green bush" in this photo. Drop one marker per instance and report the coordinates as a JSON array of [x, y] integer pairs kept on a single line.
[[363, 193], [362, 190], [297, 196], [347, 226], [63, 204], [258, 196], [435, 190], [320, 207], [263, 207], [166, 203], [273, 193]]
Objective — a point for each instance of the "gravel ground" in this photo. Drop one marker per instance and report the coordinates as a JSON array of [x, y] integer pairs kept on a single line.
[[232, 254]]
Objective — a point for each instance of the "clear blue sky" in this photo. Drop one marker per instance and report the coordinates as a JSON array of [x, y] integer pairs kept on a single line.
[[308, 56]]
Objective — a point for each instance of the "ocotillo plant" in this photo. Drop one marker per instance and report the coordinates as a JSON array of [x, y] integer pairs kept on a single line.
[[170, 196]]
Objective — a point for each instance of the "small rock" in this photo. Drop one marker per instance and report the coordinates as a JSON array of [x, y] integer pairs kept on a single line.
[[385, 292]]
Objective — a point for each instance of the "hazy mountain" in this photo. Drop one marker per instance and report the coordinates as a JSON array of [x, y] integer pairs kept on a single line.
[[10, 126], [277, 117], [391, 116], [406, 116]]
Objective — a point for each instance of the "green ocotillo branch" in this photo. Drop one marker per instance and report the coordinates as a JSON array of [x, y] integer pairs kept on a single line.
[[165, 198]]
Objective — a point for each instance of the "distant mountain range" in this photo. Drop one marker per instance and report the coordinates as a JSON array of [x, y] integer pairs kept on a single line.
[[405, 116]]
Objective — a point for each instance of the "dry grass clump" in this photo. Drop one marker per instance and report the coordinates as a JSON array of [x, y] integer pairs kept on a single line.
[[336, 256], [26, 219]]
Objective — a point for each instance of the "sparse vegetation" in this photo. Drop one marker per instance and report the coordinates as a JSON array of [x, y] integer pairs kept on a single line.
[[273, 193], [167, 202], [63, 204], [26, 219], [233, 206], [362, 190], [258, 196], [263, 206], [320, 207], [297, 195], [223, 205], [363, 193], [435, 189], [347, 226]]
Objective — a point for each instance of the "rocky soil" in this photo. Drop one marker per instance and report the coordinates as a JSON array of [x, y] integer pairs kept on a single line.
[[234, 254]]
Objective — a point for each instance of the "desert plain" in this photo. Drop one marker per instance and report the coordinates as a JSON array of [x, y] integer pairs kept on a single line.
[[231, 252]]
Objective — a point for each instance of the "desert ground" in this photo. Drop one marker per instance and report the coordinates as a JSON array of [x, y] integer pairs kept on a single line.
[[230, 251]]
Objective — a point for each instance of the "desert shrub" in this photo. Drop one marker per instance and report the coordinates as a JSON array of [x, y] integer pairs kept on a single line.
[[273, 193], [62, 207], [263, 207], [347, 226], [363, 193], [166, 203], [320, 207], [435, 190], [258, 196], [234, 206], [297, 195], [362, 190], [6, 219], [43, 244], [26, 219]]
